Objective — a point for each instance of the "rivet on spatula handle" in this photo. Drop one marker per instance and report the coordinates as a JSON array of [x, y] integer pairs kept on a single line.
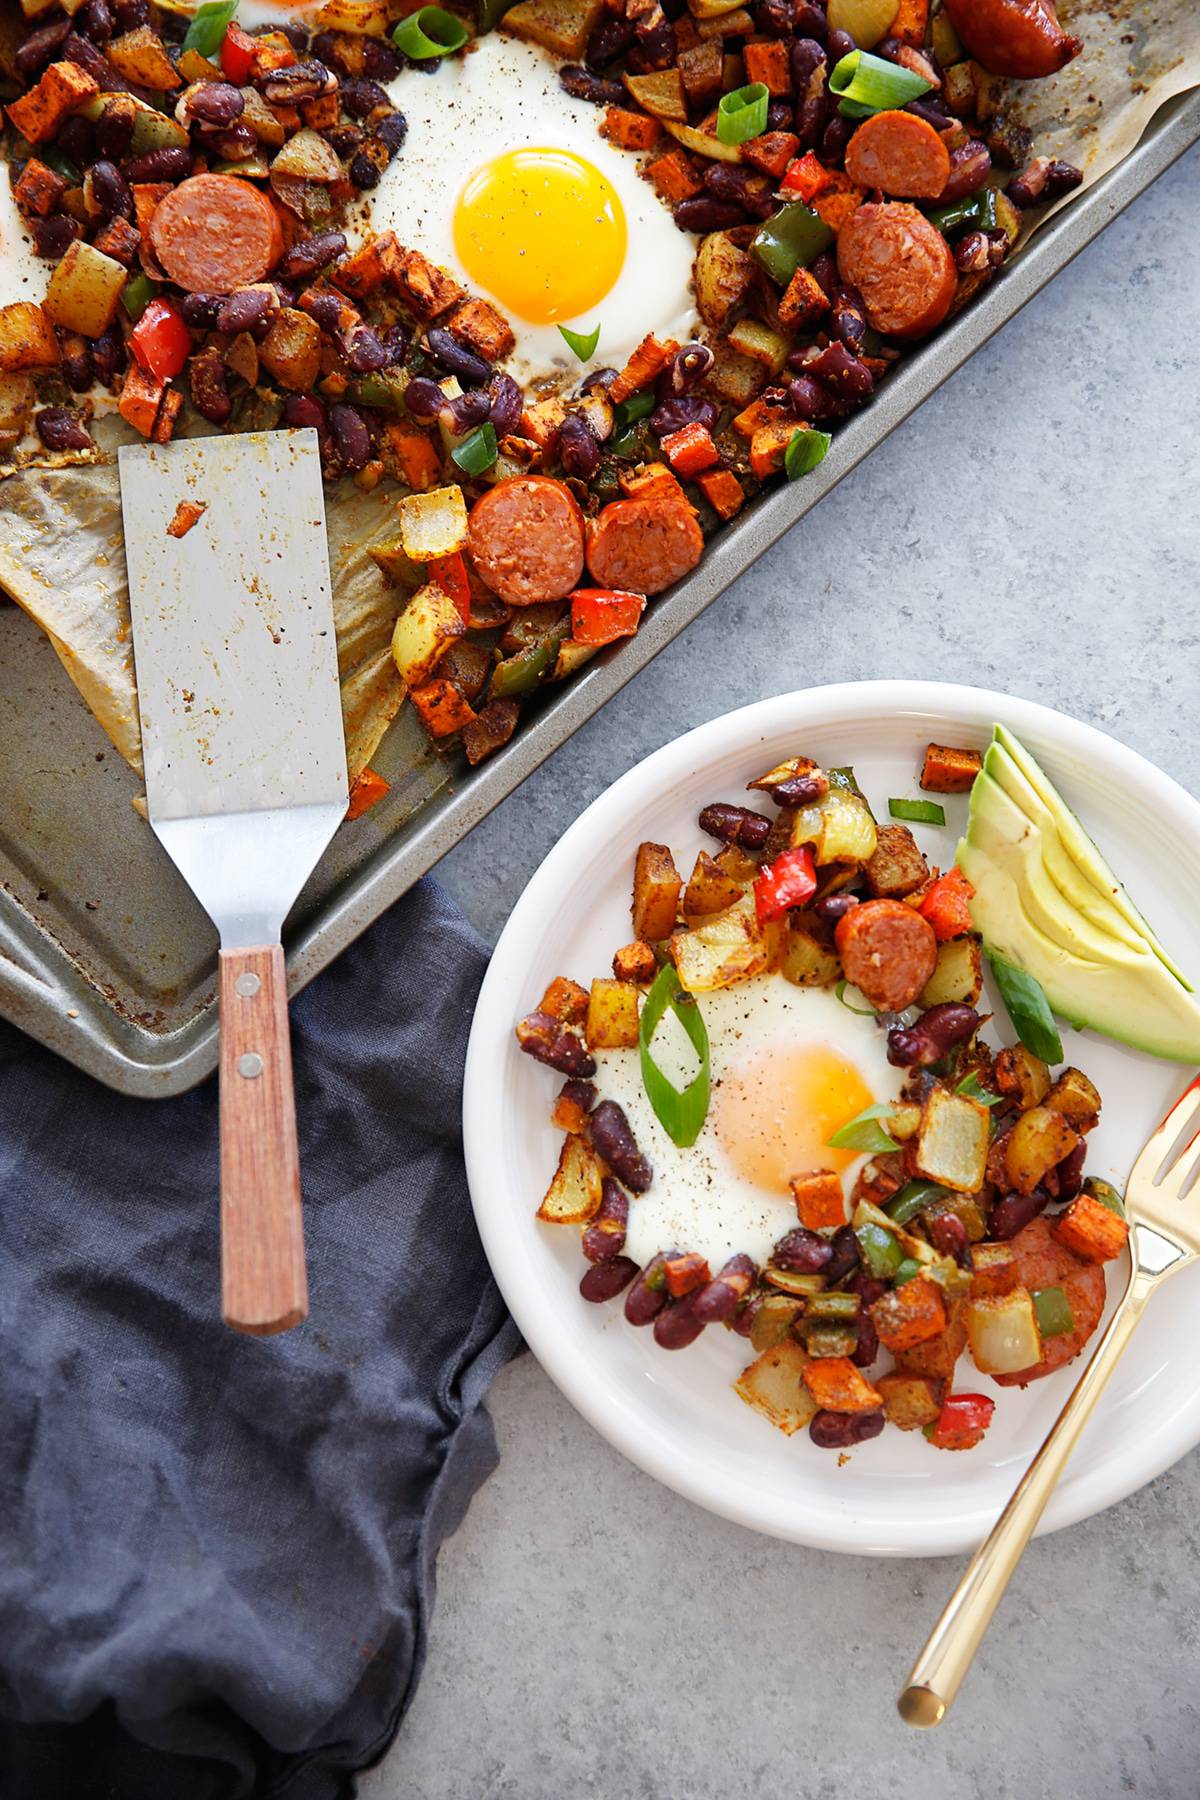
[[263, 1283]]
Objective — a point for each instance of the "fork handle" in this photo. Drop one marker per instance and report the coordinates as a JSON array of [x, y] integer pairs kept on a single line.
[[264, 1288], [938, 1672]]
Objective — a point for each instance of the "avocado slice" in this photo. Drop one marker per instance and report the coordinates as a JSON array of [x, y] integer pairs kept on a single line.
[[1121, 985], [1079, 846]]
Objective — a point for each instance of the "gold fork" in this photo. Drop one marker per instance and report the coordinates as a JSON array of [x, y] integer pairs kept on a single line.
[[1162, 1204]]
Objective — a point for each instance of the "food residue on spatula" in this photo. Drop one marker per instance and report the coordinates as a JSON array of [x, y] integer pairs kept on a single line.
[[187, 514]]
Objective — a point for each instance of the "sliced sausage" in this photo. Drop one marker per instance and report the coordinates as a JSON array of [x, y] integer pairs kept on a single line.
[[888, 951], [526, 540], [1014, 37], [899, 153], [214, 233], [1042, 1262], [902, 266], [643, 545]]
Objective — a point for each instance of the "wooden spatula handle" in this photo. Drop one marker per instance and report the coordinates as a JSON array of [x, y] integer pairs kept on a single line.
[[263, 1283]]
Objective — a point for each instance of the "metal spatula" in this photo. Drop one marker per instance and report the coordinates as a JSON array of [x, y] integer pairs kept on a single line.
[[245, 759]]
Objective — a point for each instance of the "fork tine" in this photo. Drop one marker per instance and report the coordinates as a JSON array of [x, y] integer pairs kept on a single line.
[[1163, 1150]]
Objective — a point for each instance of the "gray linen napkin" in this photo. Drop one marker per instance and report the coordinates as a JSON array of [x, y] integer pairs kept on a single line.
[[216, 1552]]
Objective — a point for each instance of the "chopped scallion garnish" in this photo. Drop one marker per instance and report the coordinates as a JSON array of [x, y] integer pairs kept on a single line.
[[681, 1112], [742, 114], [431, 32], [477, 451], [208, 27], [864, 1131], [868, 84], [971, 1088], [805, 451], [864, 1012], [583, 343], [918, 812]]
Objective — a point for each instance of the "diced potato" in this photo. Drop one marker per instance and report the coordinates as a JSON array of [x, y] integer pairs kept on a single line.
[[429, 622], [820, 1201], [612, 1015], [16, 404], [361, 18], [635, 962], [1002, 1330], [1019, 1073], [85, 290], [291, 350], [1037, 1143], [737, 864], [770, 348], [806, 960], [709, 889], [656, 888], [773, 1384], [865, 20], [27, 339], [939, 1355], [1076, 1098], [566, 1000], [308, 157], [723, 272], [726, 948], [712, 9], [849, 833], [910, 1315], [395, 562], [952, 1145], [141, 56], [561, 26], [993, 1270], [957, 974], [734, 379], [1091, 1229], [897, 866], [574, 1194], [910, 1401], [838, 1386], [433, 524], [661, 93], [904, 1123]]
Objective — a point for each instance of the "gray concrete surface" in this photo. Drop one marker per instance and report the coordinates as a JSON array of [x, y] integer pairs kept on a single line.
[[1033, 528]]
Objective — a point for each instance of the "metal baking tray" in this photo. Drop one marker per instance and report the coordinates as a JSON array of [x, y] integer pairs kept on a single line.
[[104, 954]]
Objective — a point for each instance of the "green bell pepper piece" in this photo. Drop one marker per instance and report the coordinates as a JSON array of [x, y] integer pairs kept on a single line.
[[520, 674], [1053, 1309], [880, 1251], [789, 240], [913, 1198]]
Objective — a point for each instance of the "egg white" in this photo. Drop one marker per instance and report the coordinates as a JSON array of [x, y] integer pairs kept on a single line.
[[697, 1200], [504, 95]]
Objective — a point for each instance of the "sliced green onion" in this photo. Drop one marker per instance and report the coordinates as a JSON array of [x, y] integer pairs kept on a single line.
[[477, 451], [908, 1269], [880, 1251], [638, 406], [742, 114], [846, 780], [868, 84], [62, 165], [1028, 1008], [790, 239], [583, 343], [913, 1198], [805, 450], [864, 1012], [681, 1112], [972, 1089], [431, 32], [1106, 1194], [209, 25], [919, 812], [864, 1132], [136, 295], [1053, 1309], [489, 13]]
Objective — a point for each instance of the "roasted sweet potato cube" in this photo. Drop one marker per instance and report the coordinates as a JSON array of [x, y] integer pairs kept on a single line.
[[993, 1270], [839, 201], [909, 1315], [938, 1356], [723, 491], [635, 962], [1089, 1229], [643, 367], [768, 446], [442, 709], [837, 1386], [479, 325], [656, 888], [612, 1015], [769, 61], [820, 1202], [1022, 1075], [910, 22], [575, 1192], [416, 456], [910, 1401], [1076, 1098], [428, 290], [59, 92], [39, 189], [118, 239], [672, 174], [880, 1179], [949, 771], [364, 269], [772, 152], [773, 1384], [898, 866], [952, 1145], [1037, 1143], [566, 1000], [27, 339], [629, 130], [163, 429], [709, 889], [490, 729], [572, 1104], [141, 399], [803, 302], [685, 1271]]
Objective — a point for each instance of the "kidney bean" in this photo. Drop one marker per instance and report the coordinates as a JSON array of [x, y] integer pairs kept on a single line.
[[96, 21], [739, 187], [774, 18], [673, 415], [391, 133], [85, 55], [1070, 1172], [210, 387], [848, 318], [802, 1251], [654, 45], [948, 1234], [106, 193], [835, 137], [690, 364], [77, 141], [39, 48], [114, 131], [360, 96], [299, 81], [742, 1322], [455, 358], [846, 1254], [930, 108], [51, 236], [808, 399], [609, 39], [76, 363], [466, 411], [970, 166], [648, 1295], [584, 84], [351, 439], [780, 115], [129, 14], [309, 255], [396, 340], [244, 310], [363, 349], [307, 411], [214, 103], [1013, 1213], [716, 1303], [807, 56], [832, 907], [677, 1325], [933, 1036], [613, 1139], [605, 1280], [839, 44], [578, 450], [703, 214], [809, 20], [841, 1431], [998, 247], [108, 355], [424, 399], [506, 404], [200, 310], [867, 1348], [604, 1236], [61, 429], [824, 271], [736, 825], [161, 165], [580, 1093], [971, 253], [381, 62], [841, 372]]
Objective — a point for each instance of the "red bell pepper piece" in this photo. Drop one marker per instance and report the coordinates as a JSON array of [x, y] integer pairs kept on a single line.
[[946, 904], [789, 881], [237, 54], [160, 340], [602, 615], [806, 177], [962, 1421], [450, 574]]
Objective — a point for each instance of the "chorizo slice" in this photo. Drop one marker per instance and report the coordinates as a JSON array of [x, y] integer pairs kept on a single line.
[[888, 952], [899, 153], [643, 545], [1043, 1262], [902, 266], [525, 537], [1014, 37], [214, 233]]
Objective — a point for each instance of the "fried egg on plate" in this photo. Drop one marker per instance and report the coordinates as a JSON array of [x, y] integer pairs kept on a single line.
[[789, 1066]]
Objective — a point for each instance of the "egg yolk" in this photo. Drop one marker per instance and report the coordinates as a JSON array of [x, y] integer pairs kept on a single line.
[[776, 1112], [543, 231]]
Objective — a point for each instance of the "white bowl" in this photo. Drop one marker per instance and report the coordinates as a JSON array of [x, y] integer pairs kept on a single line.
[[676, 1414]]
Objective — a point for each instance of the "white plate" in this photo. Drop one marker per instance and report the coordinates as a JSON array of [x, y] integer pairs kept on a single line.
[[675, 1413]]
